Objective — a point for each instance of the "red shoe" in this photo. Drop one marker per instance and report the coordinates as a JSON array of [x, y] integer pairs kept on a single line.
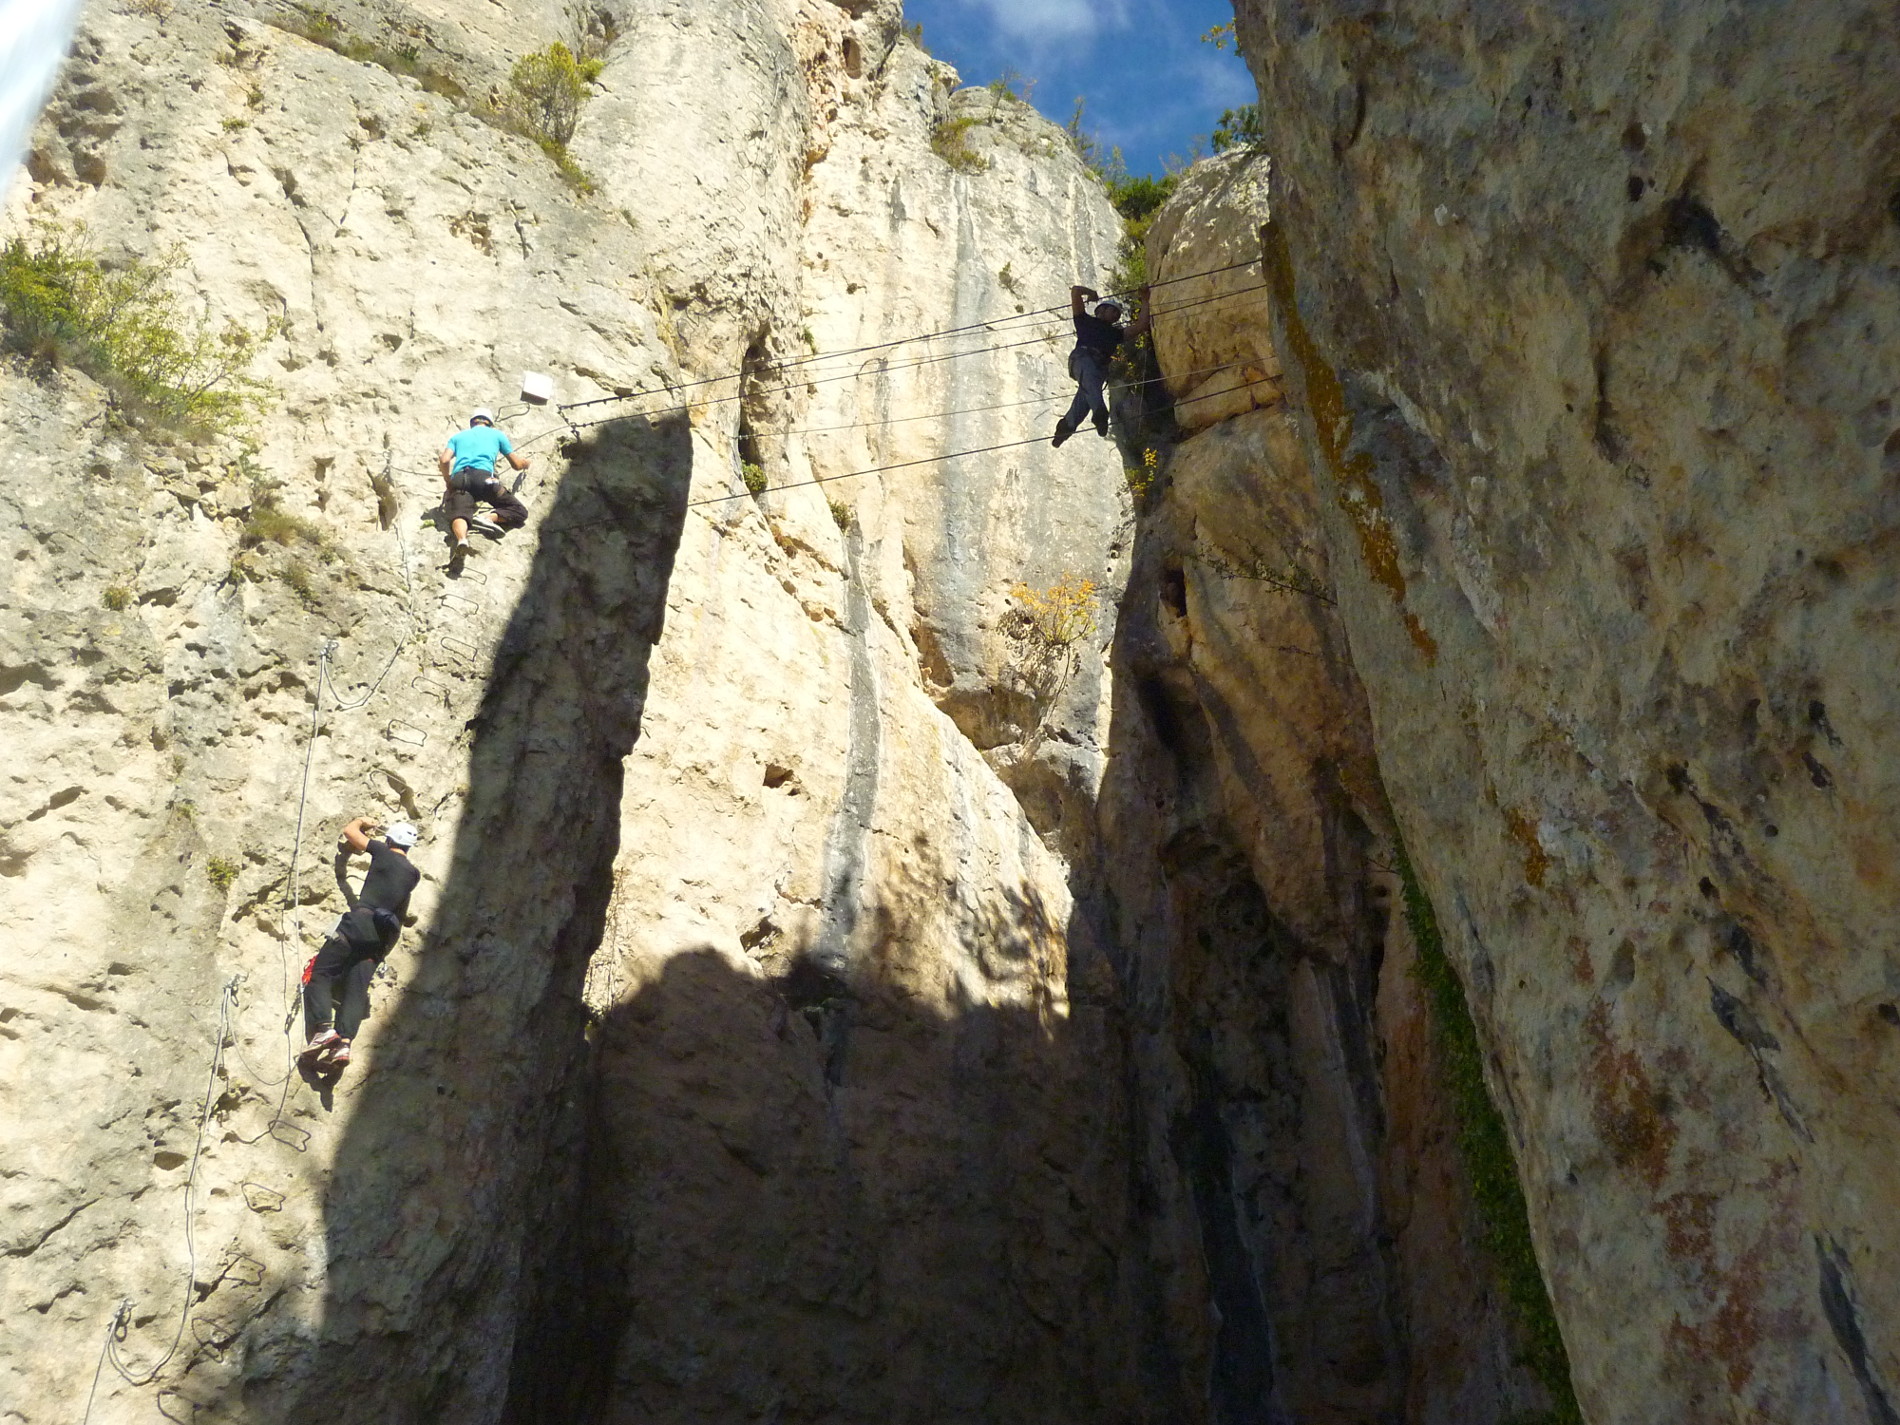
[[321, 1046]]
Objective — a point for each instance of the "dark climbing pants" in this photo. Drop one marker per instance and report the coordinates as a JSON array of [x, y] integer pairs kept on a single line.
[[348, 962], [459, 503], [1090, 371]]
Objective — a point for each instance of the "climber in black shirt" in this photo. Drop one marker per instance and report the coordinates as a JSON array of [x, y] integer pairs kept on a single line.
[[366, 933], [1097, 339]]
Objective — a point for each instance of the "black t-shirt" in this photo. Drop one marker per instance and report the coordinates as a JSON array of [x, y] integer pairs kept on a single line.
[[392, 876], [1094, 334]]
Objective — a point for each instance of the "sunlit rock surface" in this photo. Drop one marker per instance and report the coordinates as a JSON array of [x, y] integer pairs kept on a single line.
[[719, 896]]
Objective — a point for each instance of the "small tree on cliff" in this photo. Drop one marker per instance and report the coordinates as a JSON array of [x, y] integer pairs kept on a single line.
[[546, 90]]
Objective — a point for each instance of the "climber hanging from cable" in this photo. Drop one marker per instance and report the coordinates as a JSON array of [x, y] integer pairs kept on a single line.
[[1097, 338], [366, 933], [468, 469]]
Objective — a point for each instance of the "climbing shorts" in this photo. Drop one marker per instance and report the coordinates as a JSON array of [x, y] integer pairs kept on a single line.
[[460, 501]]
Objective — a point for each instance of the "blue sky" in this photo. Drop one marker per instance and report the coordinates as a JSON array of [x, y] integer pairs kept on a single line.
[[1152, 86]]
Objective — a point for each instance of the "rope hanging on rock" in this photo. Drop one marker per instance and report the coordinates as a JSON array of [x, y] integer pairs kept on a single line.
[[119, 1327]]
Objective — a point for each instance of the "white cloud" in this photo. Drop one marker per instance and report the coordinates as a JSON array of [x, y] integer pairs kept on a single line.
[[1055, 21], [1220, 81]]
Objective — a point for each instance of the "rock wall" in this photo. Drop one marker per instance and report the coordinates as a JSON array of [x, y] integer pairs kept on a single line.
[[1297, 1123], [831, 998], [739, 925], [1589, 316]]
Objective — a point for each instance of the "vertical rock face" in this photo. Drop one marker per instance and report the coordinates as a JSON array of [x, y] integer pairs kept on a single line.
[[835, 993], [1591, 321], [1287, 1075], [730, 1069]]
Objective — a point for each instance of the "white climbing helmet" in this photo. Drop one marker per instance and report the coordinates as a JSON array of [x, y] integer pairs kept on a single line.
[[1107, 305], [484, 414], [402, 834]]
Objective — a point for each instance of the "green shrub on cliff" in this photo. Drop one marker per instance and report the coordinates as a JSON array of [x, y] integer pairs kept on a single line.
[[950, 141], [124, 326], [546, 90], [321, 27], [1238, 127]]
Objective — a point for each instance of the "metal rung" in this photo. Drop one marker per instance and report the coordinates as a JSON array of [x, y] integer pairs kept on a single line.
[[473, 606], [461, 648], [243, 1269], [407, 733], [427, 684]]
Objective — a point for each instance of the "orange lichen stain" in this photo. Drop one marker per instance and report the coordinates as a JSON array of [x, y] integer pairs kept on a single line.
[[1631, 1116], [1580, 967], [1689, 1222], [1422, 640], [1524, 833], [1359, 497], [1734, 1334]]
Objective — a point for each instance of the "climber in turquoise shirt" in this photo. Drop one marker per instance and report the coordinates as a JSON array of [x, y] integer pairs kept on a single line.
[[468, 469], [478, 447]]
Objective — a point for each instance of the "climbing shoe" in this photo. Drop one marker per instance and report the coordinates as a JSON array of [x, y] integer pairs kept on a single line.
[[338, 1058], [486, 526], [321, 1046], [1063, 431], [1101, 429], [458, 553]]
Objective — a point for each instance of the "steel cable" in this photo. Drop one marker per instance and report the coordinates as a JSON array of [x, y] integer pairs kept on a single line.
[[995, 323], [935, 459]]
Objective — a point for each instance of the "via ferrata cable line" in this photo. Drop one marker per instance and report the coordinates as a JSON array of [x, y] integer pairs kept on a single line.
[[878, 370], [118, 1329], [574, 427], [1048, 400], [931, 460], [993, 324], [292, 921], [1053, 398]]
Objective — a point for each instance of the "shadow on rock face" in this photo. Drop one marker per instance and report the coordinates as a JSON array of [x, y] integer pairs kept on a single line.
[[921, 1231], [441, 1167]]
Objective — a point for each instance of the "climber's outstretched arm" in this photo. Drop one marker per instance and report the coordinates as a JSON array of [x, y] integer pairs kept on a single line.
[[354, 835], [1141, 324], [1080, 295]]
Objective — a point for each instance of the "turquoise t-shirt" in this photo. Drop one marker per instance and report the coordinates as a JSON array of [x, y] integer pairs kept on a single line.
[[477, 448]]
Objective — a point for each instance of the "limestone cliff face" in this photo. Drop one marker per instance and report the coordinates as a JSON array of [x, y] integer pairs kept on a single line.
[[1588, 319], [730, 1070], [1282, 1051], [831, 998]]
